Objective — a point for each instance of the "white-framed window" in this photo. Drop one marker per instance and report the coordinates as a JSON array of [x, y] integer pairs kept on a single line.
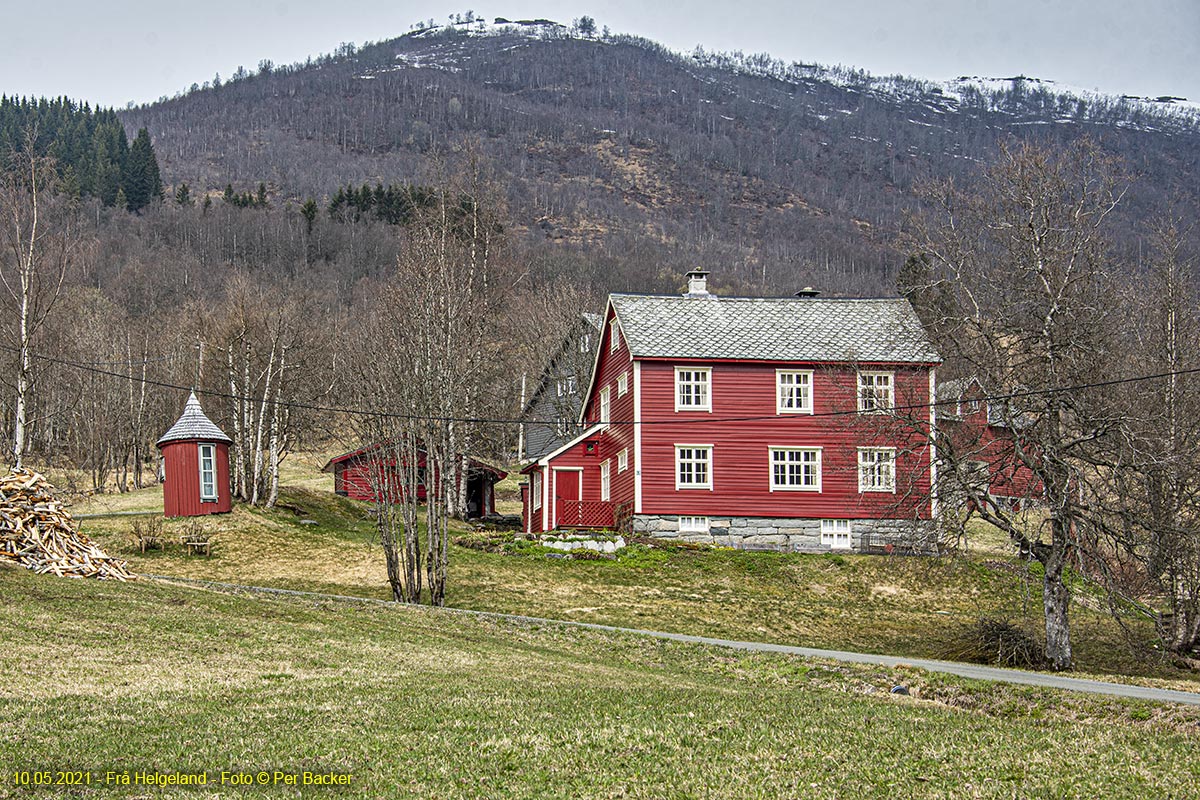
[[877, 469], [568, 386], [606, 480], [796, 469], [585, 343], [693, 389], [605, 404], [876, 391], [622, 384], [694, 525], [535, 491], [562, 426], [623, 460], [835, 533], [793, 391], [208, 472], [693, 466], [614, 338]]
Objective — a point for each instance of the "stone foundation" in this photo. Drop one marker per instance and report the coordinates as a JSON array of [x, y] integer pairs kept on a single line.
[[795, 535]]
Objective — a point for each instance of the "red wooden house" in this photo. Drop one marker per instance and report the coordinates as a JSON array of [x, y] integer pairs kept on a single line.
[[751, 422], [368, 472], [195, 465], [984, 440]]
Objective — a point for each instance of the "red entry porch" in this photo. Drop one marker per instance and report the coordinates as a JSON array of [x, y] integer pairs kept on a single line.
[[564, 488]]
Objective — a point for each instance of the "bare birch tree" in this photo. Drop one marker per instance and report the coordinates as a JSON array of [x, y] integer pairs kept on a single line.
[[430, 354], [267, 339], [38, 240]]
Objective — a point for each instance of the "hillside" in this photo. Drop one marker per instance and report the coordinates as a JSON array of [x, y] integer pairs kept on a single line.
[[778, 175]]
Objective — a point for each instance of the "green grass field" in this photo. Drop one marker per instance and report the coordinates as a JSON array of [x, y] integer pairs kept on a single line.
[[104, 677], [900, 606]]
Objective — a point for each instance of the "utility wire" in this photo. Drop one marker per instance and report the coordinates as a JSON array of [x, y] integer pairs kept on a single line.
[[708, 419]]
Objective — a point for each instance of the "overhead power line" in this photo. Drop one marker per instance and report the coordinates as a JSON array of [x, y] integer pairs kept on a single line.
[[708, 419]]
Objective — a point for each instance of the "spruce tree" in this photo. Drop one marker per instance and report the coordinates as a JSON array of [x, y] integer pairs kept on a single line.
[[309, 212], [142, 182]]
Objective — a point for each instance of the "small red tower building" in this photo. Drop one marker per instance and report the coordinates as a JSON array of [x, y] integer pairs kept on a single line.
[[195, 465]]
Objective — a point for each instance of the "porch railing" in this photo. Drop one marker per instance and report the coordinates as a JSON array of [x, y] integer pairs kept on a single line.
[[585, 514]]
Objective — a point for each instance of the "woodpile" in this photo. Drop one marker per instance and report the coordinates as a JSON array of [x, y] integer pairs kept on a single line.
[[38, 533]]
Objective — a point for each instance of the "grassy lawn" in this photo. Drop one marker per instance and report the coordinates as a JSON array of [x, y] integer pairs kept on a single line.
[[902, 606], [414, 702]]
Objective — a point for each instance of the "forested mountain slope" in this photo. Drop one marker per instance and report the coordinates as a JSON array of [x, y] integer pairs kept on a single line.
[[773, 175]]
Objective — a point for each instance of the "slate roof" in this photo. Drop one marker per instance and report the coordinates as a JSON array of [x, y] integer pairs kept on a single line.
[[773, 328], [193, 426]]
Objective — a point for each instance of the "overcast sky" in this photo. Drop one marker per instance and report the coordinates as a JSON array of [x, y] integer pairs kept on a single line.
[[138, 50]]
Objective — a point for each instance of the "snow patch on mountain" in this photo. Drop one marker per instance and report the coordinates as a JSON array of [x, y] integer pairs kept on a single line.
[[1019, 100]]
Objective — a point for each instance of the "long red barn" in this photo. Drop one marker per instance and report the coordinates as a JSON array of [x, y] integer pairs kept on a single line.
[[366, 473], [751, 422]]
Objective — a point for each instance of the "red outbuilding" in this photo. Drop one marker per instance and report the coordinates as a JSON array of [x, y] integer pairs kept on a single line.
[[195, 464], [985, 437], [371, 471]]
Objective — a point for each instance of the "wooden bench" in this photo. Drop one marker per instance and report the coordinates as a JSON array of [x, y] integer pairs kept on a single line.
[[194, 546]]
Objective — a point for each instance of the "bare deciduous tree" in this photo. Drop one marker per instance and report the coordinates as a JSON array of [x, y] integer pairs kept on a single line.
[[430, 355], [1148, 498], [1016, 287], [38, 240]]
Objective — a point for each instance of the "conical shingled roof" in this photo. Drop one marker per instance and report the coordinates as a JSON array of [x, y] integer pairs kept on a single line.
[[193, 425]]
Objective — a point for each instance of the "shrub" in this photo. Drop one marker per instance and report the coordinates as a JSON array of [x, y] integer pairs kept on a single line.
[[146, 533], [997, 641]]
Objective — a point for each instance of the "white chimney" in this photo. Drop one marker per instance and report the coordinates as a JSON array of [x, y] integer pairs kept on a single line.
[[697, 283]]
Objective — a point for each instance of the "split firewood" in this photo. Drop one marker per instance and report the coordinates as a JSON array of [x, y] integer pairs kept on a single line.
[[39, 534]]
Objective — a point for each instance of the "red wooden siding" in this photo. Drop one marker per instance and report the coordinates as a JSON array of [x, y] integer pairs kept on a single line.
[[181, 489], [361, 477], [365, 475], [579, 463], [994, 446], [619, 435], [741, 466]]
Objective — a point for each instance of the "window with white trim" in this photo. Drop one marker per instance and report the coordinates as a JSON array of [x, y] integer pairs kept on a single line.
[[623, 460], [535, 491], [568, 387], [208, 473], [835, 533], [877, 469], [876, 391], [614, 338], [693, 466], [693, 389], [606, 480], [793, 391], [694, 525], [623, 384], [796, 469], [605, 404]]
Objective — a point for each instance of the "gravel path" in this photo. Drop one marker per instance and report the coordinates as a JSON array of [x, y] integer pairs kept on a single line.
[[977, 671]]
